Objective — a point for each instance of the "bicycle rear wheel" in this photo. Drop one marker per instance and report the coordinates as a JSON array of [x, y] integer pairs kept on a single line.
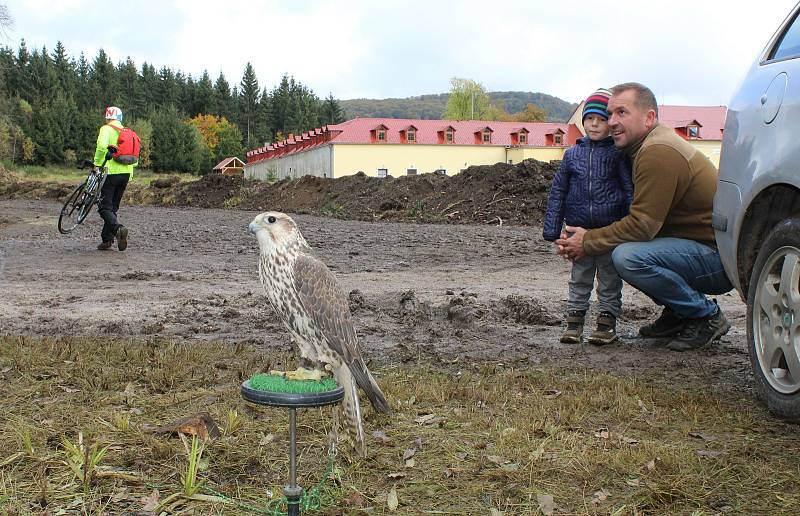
[[70, 215]]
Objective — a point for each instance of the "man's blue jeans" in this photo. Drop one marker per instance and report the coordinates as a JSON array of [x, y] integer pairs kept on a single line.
[[674, 272]]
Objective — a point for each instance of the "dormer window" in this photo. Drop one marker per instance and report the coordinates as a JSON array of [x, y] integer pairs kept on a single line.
[[408, 134], [379, 134], [446, 134], [557, 139], [693, 131], [519, 136], [483, 136]]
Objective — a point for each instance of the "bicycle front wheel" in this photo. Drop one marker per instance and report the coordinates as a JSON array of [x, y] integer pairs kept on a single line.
[[70, 215], [89, 199]]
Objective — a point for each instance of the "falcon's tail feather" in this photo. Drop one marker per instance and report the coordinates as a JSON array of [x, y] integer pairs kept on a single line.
[[370, 387], [352, 411]]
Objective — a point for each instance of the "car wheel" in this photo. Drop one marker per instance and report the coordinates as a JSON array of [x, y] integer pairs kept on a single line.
[[773, 320]]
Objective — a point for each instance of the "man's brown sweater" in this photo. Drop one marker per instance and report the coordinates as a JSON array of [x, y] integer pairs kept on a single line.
[[673, 192]]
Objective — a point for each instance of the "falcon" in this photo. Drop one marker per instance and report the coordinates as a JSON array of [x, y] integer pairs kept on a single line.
[[313, 308]]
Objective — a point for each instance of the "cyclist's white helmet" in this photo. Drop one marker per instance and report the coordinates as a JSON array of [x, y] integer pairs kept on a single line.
[[113, 113]]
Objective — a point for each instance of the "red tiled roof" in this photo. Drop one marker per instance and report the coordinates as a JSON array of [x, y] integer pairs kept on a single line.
[[710, 118], [357, 130], [361, 131]]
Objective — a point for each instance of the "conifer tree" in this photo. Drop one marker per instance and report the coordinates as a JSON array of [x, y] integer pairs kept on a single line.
[[225, 106], [248, 102], [204, 96], [331, 112]]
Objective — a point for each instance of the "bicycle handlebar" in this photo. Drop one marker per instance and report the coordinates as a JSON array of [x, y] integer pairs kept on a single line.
[[87, 163]]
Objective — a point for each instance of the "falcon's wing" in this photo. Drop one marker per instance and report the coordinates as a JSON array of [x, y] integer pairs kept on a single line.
[[326, 305]]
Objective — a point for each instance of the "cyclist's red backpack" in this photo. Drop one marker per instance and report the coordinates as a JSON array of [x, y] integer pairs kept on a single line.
[[128, 146]]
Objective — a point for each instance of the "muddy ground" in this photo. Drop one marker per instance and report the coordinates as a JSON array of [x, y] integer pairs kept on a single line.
[[454, 294]]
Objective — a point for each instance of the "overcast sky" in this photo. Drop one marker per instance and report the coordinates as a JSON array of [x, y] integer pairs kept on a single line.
[[687, 51]]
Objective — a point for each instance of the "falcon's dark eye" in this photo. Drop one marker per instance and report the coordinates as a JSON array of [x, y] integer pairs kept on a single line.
[[271, 219]]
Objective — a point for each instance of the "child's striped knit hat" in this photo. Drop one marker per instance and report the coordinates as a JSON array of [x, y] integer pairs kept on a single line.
[[597, 104]]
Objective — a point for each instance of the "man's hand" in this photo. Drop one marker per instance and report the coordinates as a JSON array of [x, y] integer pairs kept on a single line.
[[570, 245]]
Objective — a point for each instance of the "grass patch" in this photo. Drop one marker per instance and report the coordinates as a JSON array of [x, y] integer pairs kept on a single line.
[[64, 174], [460, 441]]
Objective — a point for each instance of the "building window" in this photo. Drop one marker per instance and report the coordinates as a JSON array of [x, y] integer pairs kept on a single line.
[[383, 172], [487, 137], [381, 135], [440, 171], [448, 136], [694, 131], [411, 135], [523, 138], [411, 172], [557, 139]]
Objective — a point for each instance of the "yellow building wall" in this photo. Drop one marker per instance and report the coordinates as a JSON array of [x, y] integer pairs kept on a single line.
[[710, 148], [349, 159]]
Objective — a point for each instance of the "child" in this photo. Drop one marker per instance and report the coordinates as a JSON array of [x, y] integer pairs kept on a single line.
[[592, 189]]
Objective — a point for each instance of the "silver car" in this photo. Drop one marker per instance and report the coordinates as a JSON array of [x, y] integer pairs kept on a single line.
[[757, 214]]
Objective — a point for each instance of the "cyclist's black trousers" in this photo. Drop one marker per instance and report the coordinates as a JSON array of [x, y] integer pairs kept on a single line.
[[113, 189]]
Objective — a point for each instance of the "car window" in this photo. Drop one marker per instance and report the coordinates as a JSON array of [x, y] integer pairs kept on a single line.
[[789, 44]]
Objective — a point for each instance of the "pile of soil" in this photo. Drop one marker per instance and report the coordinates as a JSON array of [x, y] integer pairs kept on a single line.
[[494, 194]]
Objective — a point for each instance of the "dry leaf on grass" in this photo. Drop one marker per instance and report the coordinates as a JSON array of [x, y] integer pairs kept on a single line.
[[202, 425], [709, 453], [409, 453], [701, 435], [496, 459], [380, 436], [424, 419], [396, 476], [552, 394], [546, 503], [600, 496], [391, 500], [602, 433], [150, 502]]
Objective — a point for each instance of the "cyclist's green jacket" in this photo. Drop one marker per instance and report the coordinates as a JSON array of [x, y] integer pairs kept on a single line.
[[109, 136]]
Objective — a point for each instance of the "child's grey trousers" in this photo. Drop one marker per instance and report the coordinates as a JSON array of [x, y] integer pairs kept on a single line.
[[609, 285]]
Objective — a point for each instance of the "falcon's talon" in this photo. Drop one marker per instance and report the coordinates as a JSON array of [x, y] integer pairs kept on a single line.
[[301, 373]]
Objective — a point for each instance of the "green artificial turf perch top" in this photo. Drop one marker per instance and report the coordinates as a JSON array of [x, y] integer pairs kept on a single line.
[[278, 383]]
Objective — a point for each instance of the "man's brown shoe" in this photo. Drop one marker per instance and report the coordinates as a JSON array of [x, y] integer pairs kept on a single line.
[[122, 238], [668, 324], [105, 246]]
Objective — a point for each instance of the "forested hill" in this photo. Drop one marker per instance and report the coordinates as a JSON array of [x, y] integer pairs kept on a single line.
[[431, 107]]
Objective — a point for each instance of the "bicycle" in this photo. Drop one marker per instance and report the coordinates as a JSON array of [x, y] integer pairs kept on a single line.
[[83, 198]]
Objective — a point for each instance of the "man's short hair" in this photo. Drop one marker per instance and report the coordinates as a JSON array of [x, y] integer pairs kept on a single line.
[[645, 99]]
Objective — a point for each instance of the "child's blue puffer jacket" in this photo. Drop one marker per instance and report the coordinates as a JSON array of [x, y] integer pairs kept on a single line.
[[592, 189]]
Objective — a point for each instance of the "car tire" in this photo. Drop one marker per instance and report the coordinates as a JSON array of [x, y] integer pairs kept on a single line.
[[773, 320]]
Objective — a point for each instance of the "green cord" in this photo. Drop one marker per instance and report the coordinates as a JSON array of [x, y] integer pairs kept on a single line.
[[310, 499]]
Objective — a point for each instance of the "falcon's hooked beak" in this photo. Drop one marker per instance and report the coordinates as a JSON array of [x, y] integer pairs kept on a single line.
[[252, 228]]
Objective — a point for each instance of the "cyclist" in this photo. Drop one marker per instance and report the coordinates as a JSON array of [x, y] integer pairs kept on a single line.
[[116, 182]]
